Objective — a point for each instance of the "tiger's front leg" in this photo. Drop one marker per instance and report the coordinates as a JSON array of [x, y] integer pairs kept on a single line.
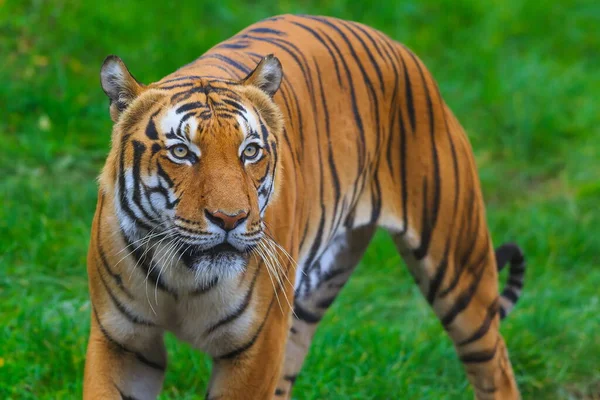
[[252, 368], [117, 368]]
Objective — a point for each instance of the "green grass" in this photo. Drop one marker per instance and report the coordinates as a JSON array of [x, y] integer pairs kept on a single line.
[[523, 78]]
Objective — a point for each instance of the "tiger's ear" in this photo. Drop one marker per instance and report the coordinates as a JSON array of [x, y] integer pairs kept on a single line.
[[119, 85], [266, 76]]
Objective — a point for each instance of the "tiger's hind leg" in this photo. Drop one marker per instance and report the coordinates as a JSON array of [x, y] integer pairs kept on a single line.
[[461, 286], [315, 292]]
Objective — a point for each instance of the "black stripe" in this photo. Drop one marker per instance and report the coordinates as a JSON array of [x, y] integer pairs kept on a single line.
[[421, 251], [235, 353], [355, 110], [141, 257], [326, 302], [461, 266], [479, 356], [191, 231], [161, 172], [502, 312], [318, 238], [122, 192], [227, 70], [374, 63], [292, 50], [463, 300], [332, 273], [376, 200], [285, 133], [371, 36], [181, 85], [138, 149], [304, 235], [485, 325], [517, 258], [263, 131], [332, 168], [317, 242], [191, 106], [115, 276], [262, 179], [205, 289], [322, 41], [228, 61], [442, 268], [239, 310], [272, 185], [134, 319], [394, 112], [431, 218], [441, 271], [171, 134], [403, 174], [241, 44], [373, 97], [120, 347], [515, 282], [235, 105], [268, 31], [181, 78], [151, 131], [410, 103], [437, 279], [517, 270], [510, 294], [165, 193], [306, 316]]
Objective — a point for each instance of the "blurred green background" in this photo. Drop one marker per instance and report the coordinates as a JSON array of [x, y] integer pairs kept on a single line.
[[522, 76]]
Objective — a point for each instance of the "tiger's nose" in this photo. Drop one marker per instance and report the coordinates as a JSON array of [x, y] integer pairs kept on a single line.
[[226, 221]]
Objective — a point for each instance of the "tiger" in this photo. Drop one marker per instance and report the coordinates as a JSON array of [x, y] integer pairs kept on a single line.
[[241, 191]]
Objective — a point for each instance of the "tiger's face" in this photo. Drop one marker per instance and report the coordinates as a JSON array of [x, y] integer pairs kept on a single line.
[[195, 162]]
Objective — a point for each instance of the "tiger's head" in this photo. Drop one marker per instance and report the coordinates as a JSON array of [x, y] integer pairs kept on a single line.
[[194, 160]]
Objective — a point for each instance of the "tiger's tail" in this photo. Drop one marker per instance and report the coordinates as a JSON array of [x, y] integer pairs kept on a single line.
[[510, 252]]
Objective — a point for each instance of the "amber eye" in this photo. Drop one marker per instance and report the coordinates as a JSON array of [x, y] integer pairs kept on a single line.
[[179, 151], [251, 151]]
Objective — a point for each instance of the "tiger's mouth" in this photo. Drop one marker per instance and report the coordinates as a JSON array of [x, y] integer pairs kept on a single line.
[[220, 253]]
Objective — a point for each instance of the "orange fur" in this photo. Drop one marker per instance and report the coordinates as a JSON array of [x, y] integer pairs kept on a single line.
[[355, 136]]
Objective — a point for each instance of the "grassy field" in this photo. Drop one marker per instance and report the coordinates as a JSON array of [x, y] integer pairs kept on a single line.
[[524, 79]]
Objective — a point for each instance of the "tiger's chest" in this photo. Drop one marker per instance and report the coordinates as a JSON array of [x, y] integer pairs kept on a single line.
[[211, 321]]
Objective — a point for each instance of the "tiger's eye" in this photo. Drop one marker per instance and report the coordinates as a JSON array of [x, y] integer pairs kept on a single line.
[[180, 151], [251, 151]]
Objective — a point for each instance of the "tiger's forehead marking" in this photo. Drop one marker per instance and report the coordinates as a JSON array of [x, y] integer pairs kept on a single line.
[[187, 123], [248, 123], [179, 123]]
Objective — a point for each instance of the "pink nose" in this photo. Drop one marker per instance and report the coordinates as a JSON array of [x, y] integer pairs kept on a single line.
[[225, 221]]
